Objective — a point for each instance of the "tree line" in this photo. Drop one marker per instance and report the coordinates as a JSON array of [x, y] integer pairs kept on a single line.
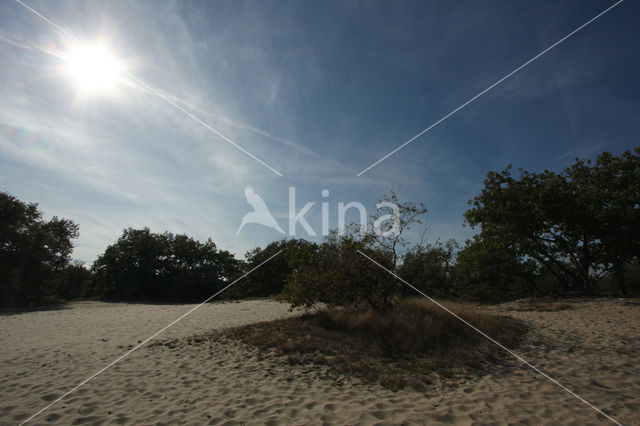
[[570, 233]]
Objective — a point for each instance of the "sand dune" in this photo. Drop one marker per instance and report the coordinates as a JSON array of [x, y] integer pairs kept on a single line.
[[593, 349]]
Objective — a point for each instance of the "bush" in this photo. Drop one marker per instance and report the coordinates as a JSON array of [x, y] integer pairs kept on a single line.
[[338, 274], [270, 278], [429, 268], [405, 346], [335, 273]]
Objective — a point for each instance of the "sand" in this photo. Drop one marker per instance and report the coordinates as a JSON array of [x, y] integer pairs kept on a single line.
[[592, 348]]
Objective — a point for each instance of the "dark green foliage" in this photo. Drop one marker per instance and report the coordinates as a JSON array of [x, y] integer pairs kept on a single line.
[[336, 273], [429, 268], [270, 278], [575, 232], [579, 225], [32, 252], [142, 265], [628, 273], [74, 282], [615, 190], [489, 273]]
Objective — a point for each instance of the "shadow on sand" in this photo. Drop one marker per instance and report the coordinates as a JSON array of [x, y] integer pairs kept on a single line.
[[26, 310]]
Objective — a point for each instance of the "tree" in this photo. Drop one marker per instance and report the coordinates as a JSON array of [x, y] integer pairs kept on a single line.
[[387, 228], [32, 251], [73, 282], [578, 224], [163, 267], [613, 184], [486, 272]]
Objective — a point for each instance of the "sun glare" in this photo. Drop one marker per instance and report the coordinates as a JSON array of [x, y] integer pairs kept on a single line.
[[93, 68]]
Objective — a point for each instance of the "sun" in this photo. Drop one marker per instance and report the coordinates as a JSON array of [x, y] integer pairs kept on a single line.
[[93, 68]]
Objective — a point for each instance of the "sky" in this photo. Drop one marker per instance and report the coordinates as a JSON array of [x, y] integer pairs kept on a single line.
[[317, 90]]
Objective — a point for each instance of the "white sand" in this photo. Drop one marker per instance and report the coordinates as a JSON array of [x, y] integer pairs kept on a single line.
[[592, 349]]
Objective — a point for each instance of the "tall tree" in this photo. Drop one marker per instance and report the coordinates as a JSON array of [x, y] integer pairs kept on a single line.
[[578, 223], [144, 265], [32, 251], [610, 188], [488, 272]]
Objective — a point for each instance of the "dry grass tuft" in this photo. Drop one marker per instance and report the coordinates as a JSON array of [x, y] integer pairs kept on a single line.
[[406, 346]]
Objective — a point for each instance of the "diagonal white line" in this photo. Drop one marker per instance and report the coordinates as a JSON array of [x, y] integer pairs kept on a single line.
[[155, 92], [190, 115], [491, 87], [53, 24], [121, 357], [518, 357]]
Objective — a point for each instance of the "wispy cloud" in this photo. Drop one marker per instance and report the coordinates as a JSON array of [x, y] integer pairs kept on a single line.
[[317, 91]]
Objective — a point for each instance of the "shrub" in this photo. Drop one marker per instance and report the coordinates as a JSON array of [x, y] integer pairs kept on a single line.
[[403, 346], [338, 274], [429, 268], [270, 278], [335, 273]]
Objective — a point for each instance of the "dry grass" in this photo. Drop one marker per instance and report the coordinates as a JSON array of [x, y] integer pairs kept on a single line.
[[407, 346]]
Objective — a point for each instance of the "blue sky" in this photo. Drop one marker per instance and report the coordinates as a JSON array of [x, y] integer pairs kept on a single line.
[[317, 90]]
